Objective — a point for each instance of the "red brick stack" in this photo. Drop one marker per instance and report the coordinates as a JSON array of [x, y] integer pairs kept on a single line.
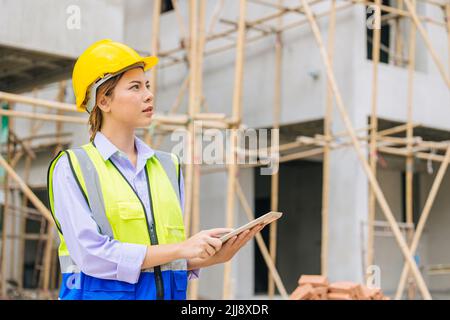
[[316, 287]]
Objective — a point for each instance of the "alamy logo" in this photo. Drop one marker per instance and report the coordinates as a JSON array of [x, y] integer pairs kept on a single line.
[[73, 21], [373, 276], [74, 280], [374, 19], [258, 147]]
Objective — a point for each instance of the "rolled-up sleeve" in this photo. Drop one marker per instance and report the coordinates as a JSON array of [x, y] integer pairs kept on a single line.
[[94, 253]]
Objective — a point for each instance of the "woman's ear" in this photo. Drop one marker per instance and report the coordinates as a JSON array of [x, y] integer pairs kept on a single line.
[[103, 102]]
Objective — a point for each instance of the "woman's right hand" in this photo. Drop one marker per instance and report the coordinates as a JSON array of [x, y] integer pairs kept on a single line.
[[203, 244]]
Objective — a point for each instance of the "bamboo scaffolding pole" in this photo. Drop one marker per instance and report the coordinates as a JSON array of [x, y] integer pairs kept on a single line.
[[427, 41], [28, 139], [379, 194], [432, 157], [328, 124], [154, 52], [10, 97], [275, 177], [435, 3], [46, 117], [28, 236], [394, 151], [189, 167], [409, 177], [260, 241], [236, 116], [373, 132], [396, 129], [14, 219], [423, 219], [197, 141], [7, 219]]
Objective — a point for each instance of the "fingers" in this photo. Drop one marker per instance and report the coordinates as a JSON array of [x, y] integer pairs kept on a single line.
[[210, 250], [217, 232], [216, 243], [245, 236]]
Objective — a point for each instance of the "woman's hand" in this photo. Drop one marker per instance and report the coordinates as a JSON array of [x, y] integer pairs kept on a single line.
[[227, 250], [233, 245], [204, 244]]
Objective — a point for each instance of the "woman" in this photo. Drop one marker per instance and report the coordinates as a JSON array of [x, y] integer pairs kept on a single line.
[[117, 203]]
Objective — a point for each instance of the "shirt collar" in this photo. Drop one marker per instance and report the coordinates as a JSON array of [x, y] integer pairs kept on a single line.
[[107, 148]]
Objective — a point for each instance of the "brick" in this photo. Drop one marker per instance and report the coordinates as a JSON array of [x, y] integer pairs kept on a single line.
[[302, 293], [339, 296], [366, 293], [371, 293], [321, 293], [355, 290], [314, 280], [359, 292]]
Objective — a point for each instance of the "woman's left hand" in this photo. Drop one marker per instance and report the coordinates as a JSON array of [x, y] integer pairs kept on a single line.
[[234, 244], [228, 250]]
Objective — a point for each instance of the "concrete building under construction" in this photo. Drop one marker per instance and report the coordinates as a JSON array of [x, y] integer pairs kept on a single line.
[[362, 106]]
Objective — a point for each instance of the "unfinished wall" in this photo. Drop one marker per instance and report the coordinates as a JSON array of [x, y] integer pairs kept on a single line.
[[43, 25]]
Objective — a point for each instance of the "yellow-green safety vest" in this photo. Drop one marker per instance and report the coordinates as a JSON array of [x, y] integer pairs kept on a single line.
[[118, 210]]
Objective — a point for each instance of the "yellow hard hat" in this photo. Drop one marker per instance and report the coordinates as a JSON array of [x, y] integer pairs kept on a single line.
[[98, 63]]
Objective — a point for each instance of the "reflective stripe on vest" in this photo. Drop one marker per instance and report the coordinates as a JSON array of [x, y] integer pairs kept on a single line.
[[69, 266]]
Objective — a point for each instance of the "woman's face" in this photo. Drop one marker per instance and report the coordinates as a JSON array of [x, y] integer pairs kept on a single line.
[[131, 102]]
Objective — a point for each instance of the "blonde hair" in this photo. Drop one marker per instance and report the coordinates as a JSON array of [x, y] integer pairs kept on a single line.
[[96, 116]]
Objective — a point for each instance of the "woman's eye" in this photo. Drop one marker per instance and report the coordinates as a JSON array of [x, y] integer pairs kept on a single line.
[[135, 87]]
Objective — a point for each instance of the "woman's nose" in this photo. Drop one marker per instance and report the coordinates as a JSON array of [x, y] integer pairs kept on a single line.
[[148, 96]]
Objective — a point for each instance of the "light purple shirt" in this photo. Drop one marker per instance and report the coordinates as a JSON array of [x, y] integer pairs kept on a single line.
[[95, 254]]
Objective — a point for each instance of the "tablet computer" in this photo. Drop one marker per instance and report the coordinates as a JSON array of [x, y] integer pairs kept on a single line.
[[265, 219]]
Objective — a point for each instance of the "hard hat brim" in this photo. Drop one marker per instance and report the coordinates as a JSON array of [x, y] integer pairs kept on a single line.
[[149, 62]]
